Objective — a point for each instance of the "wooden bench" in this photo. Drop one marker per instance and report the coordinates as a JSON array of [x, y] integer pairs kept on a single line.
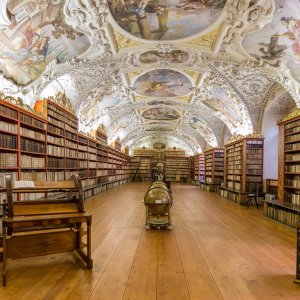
[[49, 225]]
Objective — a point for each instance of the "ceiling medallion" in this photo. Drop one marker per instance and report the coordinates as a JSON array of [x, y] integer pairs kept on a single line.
[[154, 56], [162, 83], [161, 113], [165, 20]]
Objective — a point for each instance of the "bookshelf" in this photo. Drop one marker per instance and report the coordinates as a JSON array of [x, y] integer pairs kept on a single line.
[[286, 209], [33, 148], [199, 167], [140, 167], [272, 186], [177, 168], [214, 169], [243, 168]]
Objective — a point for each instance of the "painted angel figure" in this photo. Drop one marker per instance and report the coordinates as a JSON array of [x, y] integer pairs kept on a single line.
[[293, 34]]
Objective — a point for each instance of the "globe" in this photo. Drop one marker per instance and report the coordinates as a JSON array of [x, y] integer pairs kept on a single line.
[[158, 199]]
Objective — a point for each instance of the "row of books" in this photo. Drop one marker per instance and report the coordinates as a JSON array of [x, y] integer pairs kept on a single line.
[[55, 130], [32, 162], [8, 160], [292, 168], [292, 198], [273, 182], [254, 151], [9, 127], [234, 177], [72, 163], [295, 146], [56, 122], [8, 141], [32, 146], [233, 171], [92, 150], [254, 172], [293, 157], [293, 182], [32, 121], [55, 140], [234, 185], [255, 142], [254, 162], [283, 216], [55, 150], [71, 128], [53, 162], [255, 156], [70, 135], [8, 112], [292, 124], [292, 138], [32, 134], [254, 178], [34, 176], [257, 166], [52, 113], [56, 176], [234, 163], [82, 147], [82, 155], [73, 153], [92, 164]]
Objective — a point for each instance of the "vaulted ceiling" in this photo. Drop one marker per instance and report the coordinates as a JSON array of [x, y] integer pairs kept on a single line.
[[186, 73]]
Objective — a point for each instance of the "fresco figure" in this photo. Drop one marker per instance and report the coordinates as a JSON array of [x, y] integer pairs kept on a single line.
[[293, 33], [165, 19], [162, 83]]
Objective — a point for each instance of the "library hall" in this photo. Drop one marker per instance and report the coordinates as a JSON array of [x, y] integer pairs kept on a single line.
[[149, 150]]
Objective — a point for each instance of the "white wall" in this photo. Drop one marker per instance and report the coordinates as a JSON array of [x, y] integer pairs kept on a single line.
[[270, 130]]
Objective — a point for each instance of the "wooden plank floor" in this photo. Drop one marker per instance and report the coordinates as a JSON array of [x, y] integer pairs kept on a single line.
[[216, 250]]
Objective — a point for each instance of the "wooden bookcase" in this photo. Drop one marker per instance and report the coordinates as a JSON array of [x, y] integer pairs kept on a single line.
[[272, 187], [199, 167], [177, 168], [287, 208], [33, 148], [140, 167], [243, 168], [214, 169]]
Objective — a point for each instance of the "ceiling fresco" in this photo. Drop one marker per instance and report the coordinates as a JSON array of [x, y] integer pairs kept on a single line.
[[162, 83], [165, 20], [279, 41], [161, 113], [187, 74], [174, 56], [36, 36]]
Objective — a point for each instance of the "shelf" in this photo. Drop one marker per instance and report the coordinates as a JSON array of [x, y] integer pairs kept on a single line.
[[8, 132], [33, 139], [8, 149], [34, 153], [33, 127]]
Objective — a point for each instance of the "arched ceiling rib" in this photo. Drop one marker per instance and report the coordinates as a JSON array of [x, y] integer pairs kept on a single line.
[[145, 78]]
